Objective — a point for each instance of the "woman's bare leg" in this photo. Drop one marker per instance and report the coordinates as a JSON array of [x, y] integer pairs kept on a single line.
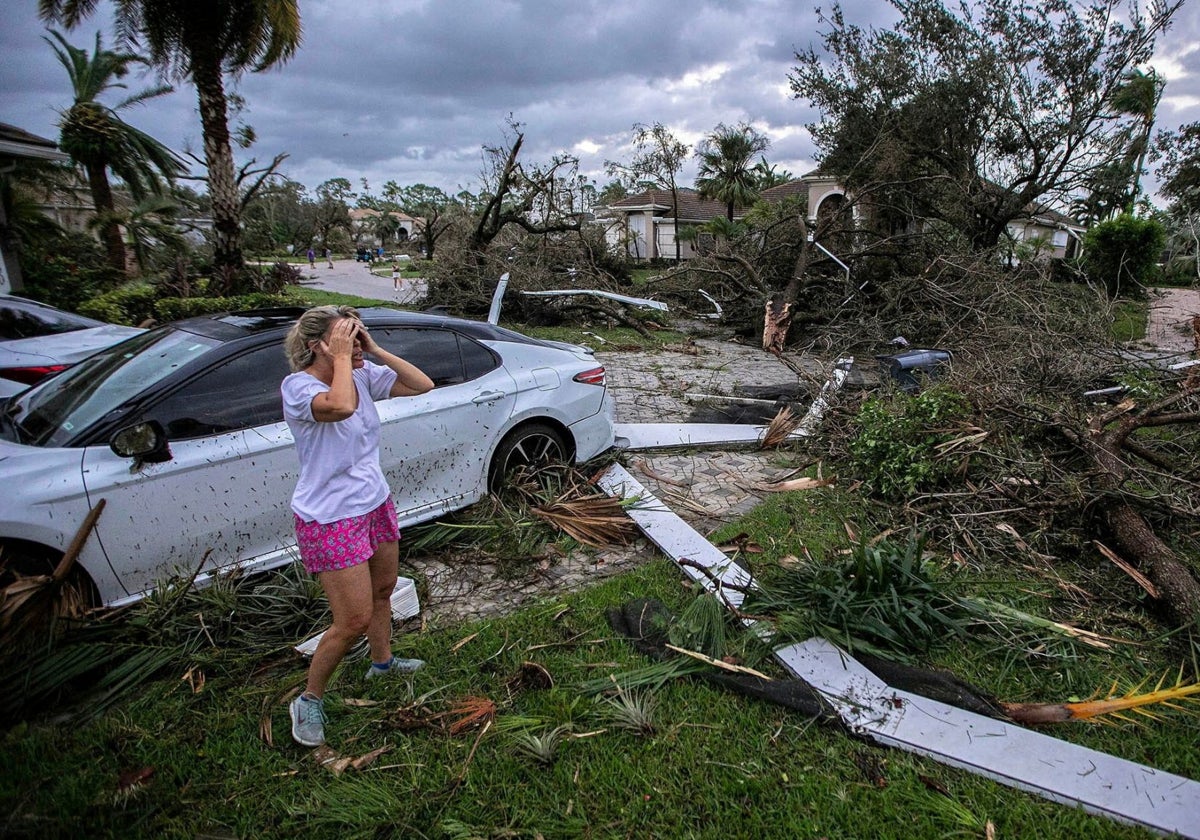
[[349, 592], [383, 566]]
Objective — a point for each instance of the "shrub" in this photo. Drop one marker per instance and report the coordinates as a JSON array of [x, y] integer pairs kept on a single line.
[[130, 304], [1122, 254], [896, 450], [279, 276], [138, 302], [67, 270], [174, 309]]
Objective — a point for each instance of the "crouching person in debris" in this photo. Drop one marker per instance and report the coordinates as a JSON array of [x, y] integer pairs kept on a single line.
[[346, 526]]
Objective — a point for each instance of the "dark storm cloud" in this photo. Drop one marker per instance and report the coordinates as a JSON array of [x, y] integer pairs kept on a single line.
[[411, 90]]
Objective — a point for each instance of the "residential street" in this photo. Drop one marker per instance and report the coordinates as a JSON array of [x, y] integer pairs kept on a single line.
[[355, 278]]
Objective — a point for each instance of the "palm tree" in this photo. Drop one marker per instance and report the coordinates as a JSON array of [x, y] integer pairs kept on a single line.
[[97, 139], [385, 227], [726, 171], [1137, 96], [202, 42]]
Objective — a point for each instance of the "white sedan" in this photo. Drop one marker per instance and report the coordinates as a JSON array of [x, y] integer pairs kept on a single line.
[[180, 431]]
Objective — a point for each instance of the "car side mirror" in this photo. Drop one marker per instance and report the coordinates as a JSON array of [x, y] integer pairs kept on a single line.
[[147, 442]]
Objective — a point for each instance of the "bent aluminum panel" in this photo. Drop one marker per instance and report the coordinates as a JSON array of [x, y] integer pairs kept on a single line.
[[1012, 755], [675, 537], [675, 435], [1021, 758], [633, 301]]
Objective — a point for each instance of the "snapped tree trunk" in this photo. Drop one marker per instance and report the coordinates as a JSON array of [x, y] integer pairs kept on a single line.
[[1105, 445], [1180, 593], [780, 307]]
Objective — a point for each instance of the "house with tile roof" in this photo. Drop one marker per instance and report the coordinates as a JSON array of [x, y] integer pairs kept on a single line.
[[362, 220], [643, 225]]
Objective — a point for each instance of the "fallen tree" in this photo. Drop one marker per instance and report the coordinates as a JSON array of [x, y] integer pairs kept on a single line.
[[1058, 472]]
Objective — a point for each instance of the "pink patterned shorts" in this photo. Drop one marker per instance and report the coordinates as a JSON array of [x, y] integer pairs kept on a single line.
[[347, 542]]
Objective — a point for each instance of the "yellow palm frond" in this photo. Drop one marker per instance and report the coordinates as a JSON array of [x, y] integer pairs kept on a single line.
[[1112, 704]]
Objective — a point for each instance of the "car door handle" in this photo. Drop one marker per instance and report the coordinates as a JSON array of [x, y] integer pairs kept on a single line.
[[487, 397]]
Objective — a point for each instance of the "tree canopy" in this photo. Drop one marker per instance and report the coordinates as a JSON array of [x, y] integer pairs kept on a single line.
[[968, 115]]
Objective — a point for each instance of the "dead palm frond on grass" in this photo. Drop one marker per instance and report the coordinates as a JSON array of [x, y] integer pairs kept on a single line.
[[107, 656], [588, 517], [514, 522]]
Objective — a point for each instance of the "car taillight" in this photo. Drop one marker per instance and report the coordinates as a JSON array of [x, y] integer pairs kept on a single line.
[[33, 374], [595, 376]]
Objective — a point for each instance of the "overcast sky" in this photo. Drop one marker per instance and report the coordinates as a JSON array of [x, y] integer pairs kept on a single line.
[[410, 90]]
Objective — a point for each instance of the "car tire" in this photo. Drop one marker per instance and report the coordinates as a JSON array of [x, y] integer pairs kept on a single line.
[[527, 447]]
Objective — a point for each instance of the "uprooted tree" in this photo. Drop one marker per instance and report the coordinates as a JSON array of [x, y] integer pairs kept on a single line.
[[1074, 451]]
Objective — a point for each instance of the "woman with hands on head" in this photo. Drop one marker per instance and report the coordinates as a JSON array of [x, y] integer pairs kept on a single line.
[[346, 526]]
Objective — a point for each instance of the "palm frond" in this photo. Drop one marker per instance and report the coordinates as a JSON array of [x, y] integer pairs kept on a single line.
[[588, 516], [1112, 703], [780, 428]]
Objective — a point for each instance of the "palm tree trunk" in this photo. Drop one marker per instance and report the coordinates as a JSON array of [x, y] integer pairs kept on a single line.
[[228, 262], [110, 231]]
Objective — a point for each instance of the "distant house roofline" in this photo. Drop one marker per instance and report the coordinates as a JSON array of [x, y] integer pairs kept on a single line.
[[19, 143]]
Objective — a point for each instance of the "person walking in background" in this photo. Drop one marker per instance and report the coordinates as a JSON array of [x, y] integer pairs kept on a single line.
[[346, 528], [329, 257], [311, 258], [395, 277]]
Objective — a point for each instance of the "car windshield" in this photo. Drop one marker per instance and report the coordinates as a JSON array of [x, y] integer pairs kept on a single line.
[[52, 413]]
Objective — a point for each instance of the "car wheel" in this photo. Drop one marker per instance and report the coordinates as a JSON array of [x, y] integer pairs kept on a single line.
[[525, 449]]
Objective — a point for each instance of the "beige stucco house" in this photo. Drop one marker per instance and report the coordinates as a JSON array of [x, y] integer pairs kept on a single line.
[[362, 222]]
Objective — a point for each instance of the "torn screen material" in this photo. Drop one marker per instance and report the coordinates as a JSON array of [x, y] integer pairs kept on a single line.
[[1099, 783]]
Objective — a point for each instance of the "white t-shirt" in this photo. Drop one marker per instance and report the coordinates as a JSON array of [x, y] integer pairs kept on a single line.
[[340, 475]]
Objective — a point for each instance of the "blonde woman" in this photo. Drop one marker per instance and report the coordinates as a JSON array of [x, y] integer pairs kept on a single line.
[[346, 525]]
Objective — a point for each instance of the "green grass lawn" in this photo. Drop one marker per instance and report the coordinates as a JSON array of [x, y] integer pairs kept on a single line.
[[715, 765]]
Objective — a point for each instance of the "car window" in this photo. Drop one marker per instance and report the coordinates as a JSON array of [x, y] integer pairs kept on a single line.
[[446, 357], [25, 319], [58, 409], [236, 394]]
